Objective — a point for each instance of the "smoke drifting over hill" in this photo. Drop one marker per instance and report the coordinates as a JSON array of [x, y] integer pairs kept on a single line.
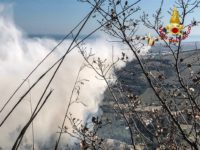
[[18, 56]]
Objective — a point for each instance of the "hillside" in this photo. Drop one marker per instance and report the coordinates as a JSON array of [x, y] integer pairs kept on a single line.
[[132, 79]]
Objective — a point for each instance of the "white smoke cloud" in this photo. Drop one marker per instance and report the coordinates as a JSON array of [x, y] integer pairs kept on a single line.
[[18, 56]]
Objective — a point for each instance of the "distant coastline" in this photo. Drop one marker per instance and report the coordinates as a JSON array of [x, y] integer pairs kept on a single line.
[[161, 48], [192, 38], [192, 43], [58, 36]]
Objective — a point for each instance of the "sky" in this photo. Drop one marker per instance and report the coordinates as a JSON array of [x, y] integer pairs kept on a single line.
[[48, 16], [59, 16]]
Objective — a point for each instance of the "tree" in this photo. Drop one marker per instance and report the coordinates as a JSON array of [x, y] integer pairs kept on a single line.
[[174, 124]]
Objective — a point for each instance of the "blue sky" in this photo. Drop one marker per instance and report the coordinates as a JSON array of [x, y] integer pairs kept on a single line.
[[48, 16], [59, 16]]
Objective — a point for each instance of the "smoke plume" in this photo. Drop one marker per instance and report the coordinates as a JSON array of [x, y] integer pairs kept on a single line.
[[19, 54]]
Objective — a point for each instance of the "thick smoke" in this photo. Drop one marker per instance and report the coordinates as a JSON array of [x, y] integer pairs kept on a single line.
[[18, 56]]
